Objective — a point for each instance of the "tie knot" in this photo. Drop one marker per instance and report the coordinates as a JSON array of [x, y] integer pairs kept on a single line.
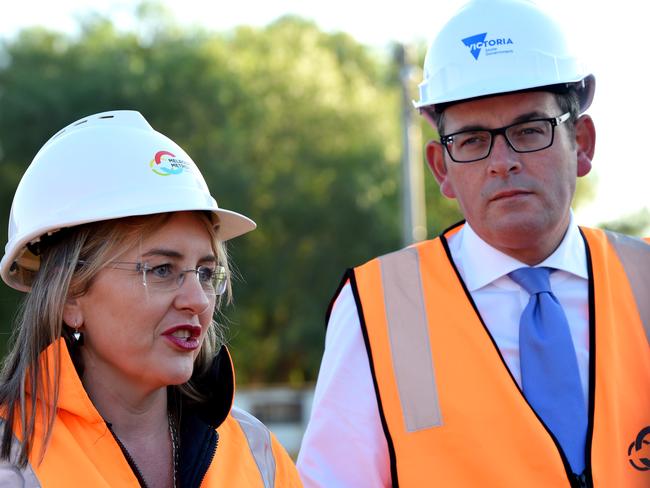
[[533, 280]]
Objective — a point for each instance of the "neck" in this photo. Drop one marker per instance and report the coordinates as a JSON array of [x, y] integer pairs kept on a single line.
[[142, 426], [530, 245], [131, 413], [530, 256], [125, 400]]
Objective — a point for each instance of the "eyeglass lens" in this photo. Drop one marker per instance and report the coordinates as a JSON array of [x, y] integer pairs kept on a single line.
[[165, 277], [473, 145]]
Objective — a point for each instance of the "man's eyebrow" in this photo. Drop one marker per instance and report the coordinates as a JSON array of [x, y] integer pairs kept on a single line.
[[530, 116], [520, 118]]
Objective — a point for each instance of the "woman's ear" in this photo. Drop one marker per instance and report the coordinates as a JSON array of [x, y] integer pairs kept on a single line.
[[72, 314], [585, 143], [436, 160]]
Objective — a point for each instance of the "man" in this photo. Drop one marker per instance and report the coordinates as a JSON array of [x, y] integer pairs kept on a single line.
[[513, 349]]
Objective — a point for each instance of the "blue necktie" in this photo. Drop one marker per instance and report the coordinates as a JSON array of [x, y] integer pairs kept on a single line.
[[549, 369]]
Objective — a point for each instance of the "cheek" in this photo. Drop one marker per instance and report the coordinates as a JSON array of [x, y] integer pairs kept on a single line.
[[126, 325], [205, 318], [467, 187], [206, 323], [127, 315], [563, 180]]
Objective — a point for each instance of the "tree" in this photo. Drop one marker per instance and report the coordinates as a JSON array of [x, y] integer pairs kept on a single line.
[[636, 224], [291, 126]]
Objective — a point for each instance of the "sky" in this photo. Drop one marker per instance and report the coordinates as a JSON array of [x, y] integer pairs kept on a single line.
[[611, 35]]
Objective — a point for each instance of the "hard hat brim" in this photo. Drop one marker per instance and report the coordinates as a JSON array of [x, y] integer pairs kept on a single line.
[[228, 225]]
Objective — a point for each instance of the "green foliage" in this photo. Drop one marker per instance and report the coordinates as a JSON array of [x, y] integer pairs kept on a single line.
[[636, 224], [292, 126]]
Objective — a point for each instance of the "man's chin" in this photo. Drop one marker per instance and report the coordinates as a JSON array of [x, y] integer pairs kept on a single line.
[[520, 235]]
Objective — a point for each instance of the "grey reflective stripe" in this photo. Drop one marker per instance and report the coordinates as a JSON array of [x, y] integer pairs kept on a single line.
[[635, 256], [259, 441], [409, 339], [12, 475]]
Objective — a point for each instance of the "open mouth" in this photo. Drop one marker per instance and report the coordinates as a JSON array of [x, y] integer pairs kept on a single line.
[[182, 334], [185, 337]]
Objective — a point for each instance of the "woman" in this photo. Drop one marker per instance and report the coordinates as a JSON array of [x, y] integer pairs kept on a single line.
[[117, 375]]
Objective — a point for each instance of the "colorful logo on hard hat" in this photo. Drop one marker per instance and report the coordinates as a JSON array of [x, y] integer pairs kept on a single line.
[[165, 163], [501, 45]]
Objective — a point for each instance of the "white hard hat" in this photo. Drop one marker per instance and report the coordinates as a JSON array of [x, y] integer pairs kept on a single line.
[[498, 46], [105, 166]]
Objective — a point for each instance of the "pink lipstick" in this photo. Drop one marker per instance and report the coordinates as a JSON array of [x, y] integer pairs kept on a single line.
[[184, 336]]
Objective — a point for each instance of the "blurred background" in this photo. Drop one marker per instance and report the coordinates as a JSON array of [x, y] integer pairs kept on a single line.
[[299, 116]]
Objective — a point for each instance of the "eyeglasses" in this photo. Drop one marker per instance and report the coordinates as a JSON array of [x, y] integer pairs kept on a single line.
[[468, 146], [167, 277]]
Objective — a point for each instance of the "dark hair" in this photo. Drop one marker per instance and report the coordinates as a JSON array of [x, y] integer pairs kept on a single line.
[[566, 97]]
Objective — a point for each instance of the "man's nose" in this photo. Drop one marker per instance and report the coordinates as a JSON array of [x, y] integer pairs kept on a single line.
[[503, 159]]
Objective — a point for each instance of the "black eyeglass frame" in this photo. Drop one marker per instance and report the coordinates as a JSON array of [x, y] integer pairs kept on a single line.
[[554, 121]]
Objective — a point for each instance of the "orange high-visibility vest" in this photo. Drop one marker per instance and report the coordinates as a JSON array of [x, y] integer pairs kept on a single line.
[[82, 452], [452, 413]]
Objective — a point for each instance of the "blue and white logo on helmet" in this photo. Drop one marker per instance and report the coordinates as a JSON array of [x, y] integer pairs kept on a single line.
[[498, 45]]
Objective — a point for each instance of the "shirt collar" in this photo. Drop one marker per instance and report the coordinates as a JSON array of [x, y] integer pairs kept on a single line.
[[480, 264]]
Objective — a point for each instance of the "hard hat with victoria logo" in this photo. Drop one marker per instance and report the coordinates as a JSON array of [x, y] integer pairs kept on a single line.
[[105, 166], [499, 46]]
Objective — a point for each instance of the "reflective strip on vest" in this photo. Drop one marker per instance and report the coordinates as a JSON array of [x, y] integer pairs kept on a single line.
[[12, 475], [635, 257], [259, 441], [409, 339]]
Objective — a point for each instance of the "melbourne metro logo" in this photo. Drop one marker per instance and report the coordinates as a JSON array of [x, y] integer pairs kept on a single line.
[[500, 45], [165, 163]]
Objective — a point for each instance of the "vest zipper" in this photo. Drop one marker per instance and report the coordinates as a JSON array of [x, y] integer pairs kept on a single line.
[[582, 481], [129, 459], [212, 454]]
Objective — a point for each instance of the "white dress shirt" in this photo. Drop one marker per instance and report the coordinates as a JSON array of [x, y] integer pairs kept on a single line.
[[344, 444]]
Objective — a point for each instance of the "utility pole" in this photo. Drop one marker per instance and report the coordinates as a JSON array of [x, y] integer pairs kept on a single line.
[[414, 225]]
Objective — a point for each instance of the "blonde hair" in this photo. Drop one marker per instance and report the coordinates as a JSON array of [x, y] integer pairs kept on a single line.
[[40, 323]]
